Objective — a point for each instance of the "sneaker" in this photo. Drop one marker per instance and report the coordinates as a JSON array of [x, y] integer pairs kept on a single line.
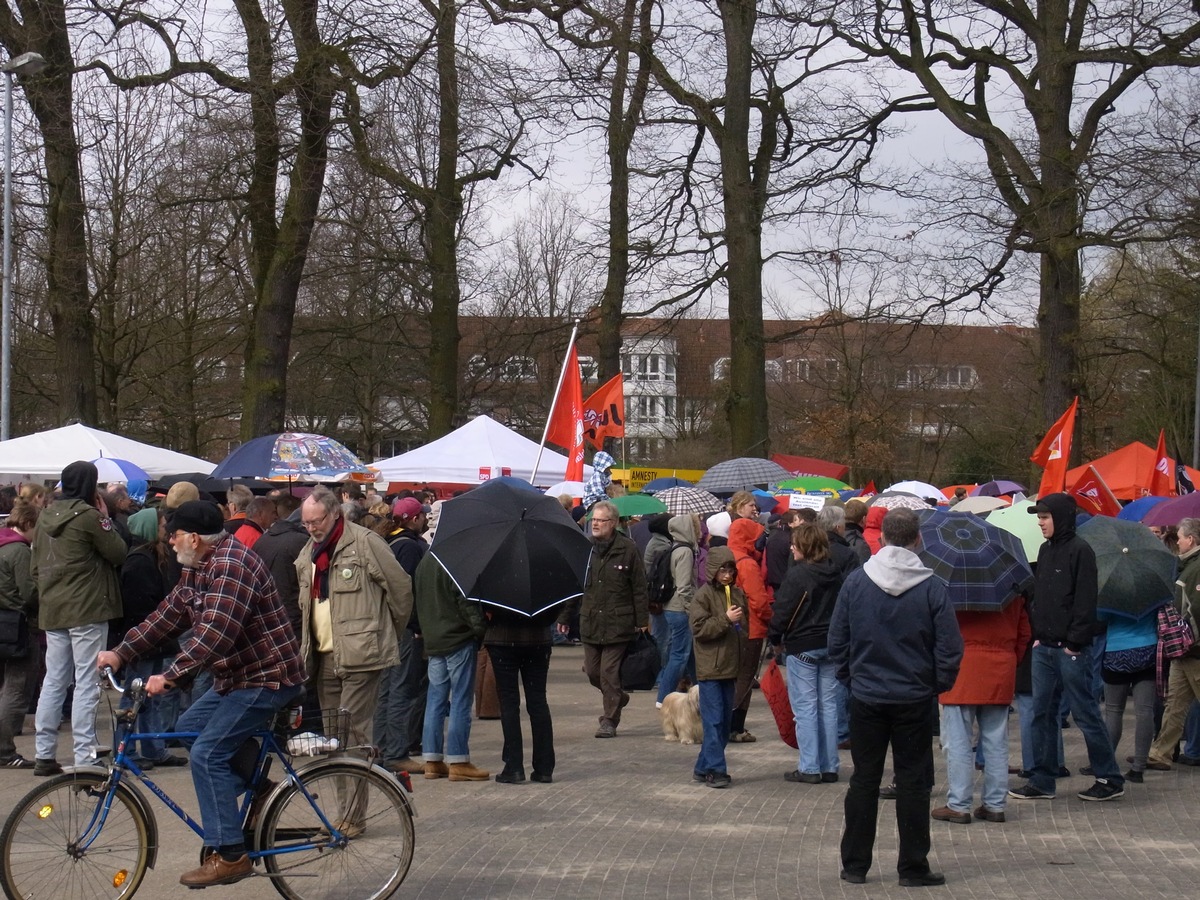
[[1088, 771], [1063, 772], [1135, 777], [1029, 792], [742, 737], [169, 761], [1185, 760], [699, 777], [1102, 790], [984, 814], [887, 792], [43, 767], [797, 777], [606, 730], [17, 761], [946, 814], [718, 780], [657, 705]]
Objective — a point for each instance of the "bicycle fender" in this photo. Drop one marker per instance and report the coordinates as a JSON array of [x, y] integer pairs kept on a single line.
[[137, 798]]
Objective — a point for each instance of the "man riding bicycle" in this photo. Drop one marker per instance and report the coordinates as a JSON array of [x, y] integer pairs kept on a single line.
[[241, 634]]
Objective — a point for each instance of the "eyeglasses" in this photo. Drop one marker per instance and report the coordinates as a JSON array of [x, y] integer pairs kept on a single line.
[[313, 523], [602, 521]]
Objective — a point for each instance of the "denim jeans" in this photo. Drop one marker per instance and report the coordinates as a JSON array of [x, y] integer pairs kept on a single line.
[[716, 711], [400, 715], [908, 729], [158, 713], [813, 693], [225, 723], [1191, 732], [680, 660], [958, 729], [451, 694], [1024, 705], [661, 632], [516, 664], [1057, 673], [70, 656], [843, 699]]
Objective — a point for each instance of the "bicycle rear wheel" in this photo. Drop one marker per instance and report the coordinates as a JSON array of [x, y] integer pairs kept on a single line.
[[368, 808], [40, 850]]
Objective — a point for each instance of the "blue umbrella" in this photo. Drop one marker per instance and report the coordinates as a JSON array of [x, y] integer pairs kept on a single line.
[[1133, 512], [111, 469], [983, 566], [661, 484]]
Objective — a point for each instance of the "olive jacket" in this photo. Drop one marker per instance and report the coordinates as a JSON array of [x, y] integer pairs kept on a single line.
[[76, 556]]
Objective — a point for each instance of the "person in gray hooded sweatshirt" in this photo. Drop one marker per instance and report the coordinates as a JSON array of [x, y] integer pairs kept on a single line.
[[895, 643]]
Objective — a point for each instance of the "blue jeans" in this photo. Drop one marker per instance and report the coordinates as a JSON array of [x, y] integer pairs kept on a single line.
[[157, 713], [1191, 732], [1024, 705], [661, 632], [1057, 673], [679, 657], [843, 726], [70, 657], [451, 693], [226, 723], [400, 715], [812, 688], [958, 729], [716, 712]]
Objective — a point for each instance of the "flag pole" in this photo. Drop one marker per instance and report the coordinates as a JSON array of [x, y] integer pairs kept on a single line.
[[558, 388]]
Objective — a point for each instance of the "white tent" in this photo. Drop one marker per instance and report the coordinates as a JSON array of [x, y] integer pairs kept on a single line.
[[480, 450], [45, 454]]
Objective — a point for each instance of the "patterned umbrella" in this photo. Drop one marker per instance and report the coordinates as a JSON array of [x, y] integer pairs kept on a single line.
[[742, 474], [897, 500], [1135, 570], [294, 456], [681, 500], [983, 566]]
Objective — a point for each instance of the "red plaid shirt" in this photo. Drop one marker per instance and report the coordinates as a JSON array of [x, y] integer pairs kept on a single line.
[[239, 628]]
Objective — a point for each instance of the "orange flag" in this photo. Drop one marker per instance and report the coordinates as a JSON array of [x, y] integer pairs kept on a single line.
[[1160, 478], [1054, 451], [604, 412], [565, 427], [1093, 495]]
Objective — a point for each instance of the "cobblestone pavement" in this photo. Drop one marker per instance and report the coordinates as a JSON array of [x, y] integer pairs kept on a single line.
[[623, 819]]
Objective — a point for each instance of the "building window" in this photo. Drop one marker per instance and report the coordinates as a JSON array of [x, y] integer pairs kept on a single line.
[[589, 369], [774, 370], [650, 410], [720, 368], [806, 370], [477, 365], [942, 377], [648, 366], [519, 368]]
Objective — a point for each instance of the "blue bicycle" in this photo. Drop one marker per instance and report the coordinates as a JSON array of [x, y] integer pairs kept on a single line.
[[336, 827]]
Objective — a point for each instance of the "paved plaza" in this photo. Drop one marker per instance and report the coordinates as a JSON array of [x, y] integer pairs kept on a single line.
[[623, 819]]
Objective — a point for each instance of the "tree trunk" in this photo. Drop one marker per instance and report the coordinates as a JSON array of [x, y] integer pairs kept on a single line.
[[442, 217], [745, 405]]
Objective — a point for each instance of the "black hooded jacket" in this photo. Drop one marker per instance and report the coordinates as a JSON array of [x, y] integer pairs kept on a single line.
[[1064, 592]]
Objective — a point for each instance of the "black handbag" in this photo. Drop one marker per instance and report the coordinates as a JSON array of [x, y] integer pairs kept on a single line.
[[639, 669], [14, 634]]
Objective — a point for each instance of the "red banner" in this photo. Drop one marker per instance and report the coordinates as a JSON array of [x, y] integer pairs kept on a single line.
[[1053, 453], [1160, 477], [1093, 496], [565, 427], [604, 412]]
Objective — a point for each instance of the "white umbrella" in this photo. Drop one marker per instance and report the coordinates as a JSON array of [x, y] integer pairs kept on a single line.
[[920, 488], [571, 488], [978, 504]]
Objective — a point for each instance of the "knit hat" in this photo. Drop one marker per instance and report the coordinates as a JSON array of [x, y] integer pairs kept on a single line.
[[718, 524]]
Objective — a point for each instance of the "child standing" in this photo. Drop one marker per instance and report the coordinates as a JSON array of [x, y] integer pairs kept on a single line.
[[716, 616]]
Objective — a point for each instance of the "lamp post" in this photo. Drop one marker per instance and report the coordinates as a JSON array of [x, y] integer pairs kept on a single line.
[[25, 64]]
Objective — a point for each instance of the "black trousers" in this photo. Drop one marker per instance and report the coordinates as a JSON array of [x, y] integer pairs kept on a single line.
[[908, 729], [529, 664]]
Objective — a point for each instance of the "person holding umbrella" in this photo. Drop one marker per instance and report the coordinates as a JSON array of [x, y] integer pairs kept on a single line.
[[1184, 684]]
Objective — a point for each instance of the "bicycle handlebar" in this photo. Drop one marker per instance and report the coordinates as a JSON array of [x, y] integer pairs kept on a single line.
[[136, 685]]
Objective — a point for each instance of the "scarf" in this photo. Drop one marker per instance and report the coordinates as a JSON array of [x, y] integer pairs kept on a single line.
[[322, 556]]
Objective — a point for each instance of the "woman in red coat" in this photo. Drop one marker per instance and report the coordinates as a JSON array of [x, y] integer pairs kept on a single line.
[[743, 533], [993, 645]]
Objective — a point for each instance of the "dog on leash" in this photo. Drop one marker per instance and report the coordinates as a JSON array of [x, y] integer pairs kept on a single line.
[[681, 716]]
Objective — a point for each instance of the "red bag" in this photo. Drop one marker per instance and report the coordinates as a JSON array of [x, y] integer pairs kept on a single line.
[[774, 688]]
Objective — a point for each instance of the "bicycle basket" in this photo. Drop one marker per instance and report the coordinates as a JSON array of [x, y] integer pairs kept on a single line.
[[335, 736]]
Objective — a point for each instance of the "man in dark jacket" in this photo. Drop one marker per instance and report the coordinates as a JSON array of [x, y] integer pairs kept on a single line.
[[76, 555], [1063, 618], [778, 552], [833, 520], [278, 547], [613, 610], [895, 642]]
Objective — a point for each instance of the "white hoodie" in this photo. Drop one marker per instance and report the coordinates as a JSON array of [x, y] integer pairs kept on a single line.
[[896, 569]]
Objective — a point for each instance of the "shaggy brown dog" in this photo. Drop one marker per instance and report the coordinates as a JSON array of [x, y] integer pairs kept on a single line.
[[681, 716]]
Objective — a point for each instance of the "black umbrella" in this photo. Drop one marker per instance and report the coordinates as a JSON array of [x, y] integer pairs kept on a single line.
[[1135, 570], [512, 548]]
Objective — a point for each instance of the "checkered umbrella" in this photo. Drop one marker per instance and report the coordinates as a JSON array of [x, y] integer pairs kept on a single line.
[[983, 566], [742, 474], [683, 500]]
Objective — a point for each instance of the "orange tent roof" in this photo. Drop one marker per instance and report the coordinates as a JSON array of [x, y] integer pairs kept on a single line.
[[1127, 470]]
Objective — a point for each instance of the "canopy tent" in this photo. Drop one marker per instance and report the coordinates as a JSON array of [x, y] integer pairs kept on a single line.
[[810, 465], [1127, 470], [479, 451], [45, 454]]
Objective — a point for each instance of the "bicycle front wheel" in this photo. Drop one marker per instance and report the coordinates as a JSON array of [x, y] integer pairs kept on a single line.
[[54, 843], [367, 808]]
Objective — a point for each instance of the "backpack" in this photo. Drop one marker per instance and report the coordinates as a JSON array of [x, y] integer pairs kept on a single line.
[[660, 580]]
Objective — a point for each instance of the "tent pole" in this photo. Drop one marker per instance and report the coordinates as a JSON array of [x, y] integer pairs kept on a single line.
[[545, 431]]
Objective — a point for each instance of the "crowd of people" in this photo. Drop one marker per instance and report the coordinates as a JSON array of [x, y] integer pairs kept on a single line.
[[229, 613]]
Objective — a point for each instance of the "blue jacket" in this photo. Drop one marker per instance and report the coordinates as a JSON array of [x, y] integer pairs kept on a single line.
[[893, 636]]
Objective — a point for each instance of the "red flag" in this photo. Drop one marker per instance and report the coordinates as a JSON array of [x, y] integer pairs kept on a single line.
[[1054, 451], [1093, 495], [869, 490], [565, 427], [1160, 478], [604, 412]]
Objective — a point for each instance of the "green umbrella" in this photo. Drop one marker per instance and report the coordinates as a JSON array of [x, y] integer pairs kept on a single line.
[[813, 483], [1016, 520], [638, 505]]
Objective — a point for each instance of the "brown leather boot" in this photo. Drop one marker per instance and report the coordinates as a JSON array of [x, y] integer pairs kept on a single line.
[[436, 769], [216, 870], [466, 772]]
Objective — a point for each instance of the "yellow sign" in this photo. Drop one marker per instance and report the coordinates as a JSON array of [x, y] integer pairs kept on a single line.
[[635, 478]]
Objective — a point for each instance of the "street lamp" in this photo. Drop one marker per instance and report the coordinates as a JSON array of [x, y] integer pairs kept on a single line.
[[25, 64]]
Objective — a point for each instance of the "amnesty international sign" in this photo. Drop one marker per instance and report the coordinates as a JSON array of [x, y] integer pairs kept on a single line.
[[635, 478]]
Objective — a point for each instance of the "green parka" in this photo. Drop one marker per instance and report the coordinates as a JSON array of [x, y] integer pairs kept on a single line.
[[615, 602], [76, 555], [717, 643]]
